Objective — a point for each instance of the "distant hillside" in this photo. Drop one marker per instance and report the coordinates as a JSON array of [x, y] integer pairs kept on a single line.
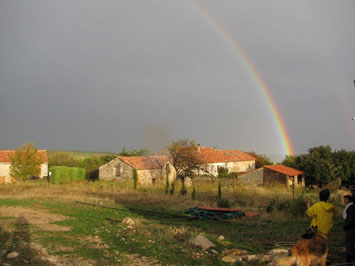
[[79, 155]]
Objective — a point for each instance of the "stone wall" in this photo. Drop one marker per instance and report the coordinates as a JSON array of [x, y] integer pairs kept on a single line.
[[171, 170], [5, 170], [272, 177], [115, 170], [44, 170], [252, 178], [147, 176]]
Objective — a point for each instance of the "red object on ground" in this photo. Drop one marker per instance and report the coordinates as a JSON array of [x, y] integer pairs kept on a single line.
[[206, 208]]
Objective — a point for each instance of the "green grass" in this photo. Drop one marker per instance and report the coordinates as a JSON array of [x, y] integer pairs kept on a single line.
[[98, 237]]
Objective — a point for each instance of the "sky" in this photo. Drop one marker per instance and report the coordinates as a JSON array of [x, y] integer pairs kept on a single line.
[[94, 75]]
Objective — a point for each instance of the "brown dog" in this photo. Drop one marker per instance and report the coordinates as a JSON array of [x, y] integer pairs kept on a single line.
[[306, 252]]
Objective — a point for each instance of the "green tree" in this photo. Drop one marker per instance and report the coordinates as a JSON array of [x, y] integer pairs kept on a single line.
[[91, 166], [261, 159], [25, 162], [290, 161], [321, 165], [140, 152], [186, 159]]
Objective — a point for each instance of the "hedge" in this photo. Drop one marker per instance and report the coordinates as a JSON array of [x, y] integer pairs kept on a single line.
[[61, 174]]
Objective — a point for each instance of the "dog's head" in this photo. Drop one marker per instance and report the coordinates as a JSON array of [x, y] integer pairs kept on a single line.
[[310, 232]]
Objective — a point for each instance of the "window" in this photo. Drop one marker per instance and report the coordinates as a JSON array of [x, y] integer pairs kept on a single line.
[[118, 170]]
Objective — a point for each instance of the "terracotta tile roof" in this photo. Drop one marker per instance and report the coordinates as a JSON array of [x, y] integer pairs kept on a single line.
[[4, 155], [210, 155], [146, 162], [284, 169]]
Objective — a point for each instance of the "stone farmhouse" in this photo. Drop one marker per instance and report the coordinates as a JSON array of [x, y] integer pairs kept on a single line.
[[5, 165], [234, 160], [150, 169], [273, 174]]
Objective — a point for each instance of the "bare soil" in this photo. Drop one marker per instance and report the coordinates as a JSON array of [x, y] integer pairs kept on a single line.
[[42, 219]]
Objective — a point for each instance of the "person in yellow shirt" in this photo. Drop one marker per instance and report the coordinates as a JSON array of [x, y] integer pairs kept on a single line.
[[321, 213]]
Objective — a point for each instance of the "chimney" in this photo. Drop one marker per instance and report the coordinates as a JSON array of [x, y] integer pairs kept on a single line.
[[198, 147]]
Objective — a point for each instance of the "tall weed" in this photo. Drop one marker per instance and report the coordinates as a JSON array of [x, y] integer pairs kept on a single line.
[[297, 207]]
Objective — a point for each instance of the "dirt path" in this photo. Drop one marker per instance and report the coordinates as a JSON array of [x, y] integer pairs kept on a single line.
[[16, 226], [42, 219]]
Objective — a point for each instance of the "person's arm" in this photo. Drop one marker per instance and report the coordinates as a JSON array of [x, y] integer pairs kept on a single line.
[[311, 210], [308, 202]]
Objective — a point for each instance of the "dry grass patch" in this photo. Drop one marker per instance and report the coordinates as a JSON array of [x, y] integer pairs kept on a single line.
[[42, 219]]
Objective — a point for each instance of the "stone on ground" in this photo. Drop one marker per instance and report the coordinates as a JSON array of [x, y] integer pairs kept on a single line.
[[278, 252], [203, 242], [232, 259], [12, 255], [128, 221], [220, 238]]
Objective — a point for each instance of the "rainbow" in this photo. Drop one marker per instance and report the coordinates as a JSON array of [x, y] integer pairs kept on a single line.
[[256, 77]]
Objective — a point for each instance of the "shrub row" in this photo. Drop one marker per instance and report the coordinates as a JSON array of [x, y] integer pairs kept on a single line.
[[61, 174]]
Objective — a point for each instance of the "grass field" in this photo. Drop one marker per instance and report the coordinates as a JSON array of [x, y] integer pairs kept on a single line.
[[48, 224]]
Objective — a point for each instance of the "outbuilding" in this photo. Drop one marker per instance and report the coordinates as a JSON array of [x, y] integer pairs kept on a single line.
[[281, 174], [150, 169]]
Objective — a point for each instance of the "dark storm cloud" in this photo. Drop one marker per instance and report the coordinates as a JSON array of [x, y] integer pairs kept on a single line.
[[90, 75]]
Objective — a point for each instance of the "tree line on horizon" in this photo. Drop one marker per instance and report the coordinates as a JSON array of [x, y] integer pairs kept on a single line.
[[321, 165]]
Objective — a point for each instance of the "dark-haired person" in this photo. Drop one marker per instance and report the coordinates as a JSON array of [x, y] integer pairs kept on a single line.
[[349, 227], [321, 213]]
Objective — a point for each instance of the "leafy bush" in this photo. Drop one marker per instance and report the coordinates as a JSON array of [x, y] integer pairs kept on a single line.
[[193, 193], [167, 183], [135, 178], [271, 207], [296, 207], [183, 190], [90, 164], [25, 162], [172, 190], [61, 174], [223, 173]]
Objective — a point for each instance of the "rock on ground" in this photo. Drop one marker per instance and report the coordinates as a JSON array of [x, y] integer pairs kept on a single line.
[[128, 221], [12, 255], [203, 242]]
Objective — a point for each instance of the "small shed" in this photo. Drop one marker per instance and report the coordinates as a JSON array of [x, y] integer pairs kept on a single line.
[[150, 169], [281, 174]]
